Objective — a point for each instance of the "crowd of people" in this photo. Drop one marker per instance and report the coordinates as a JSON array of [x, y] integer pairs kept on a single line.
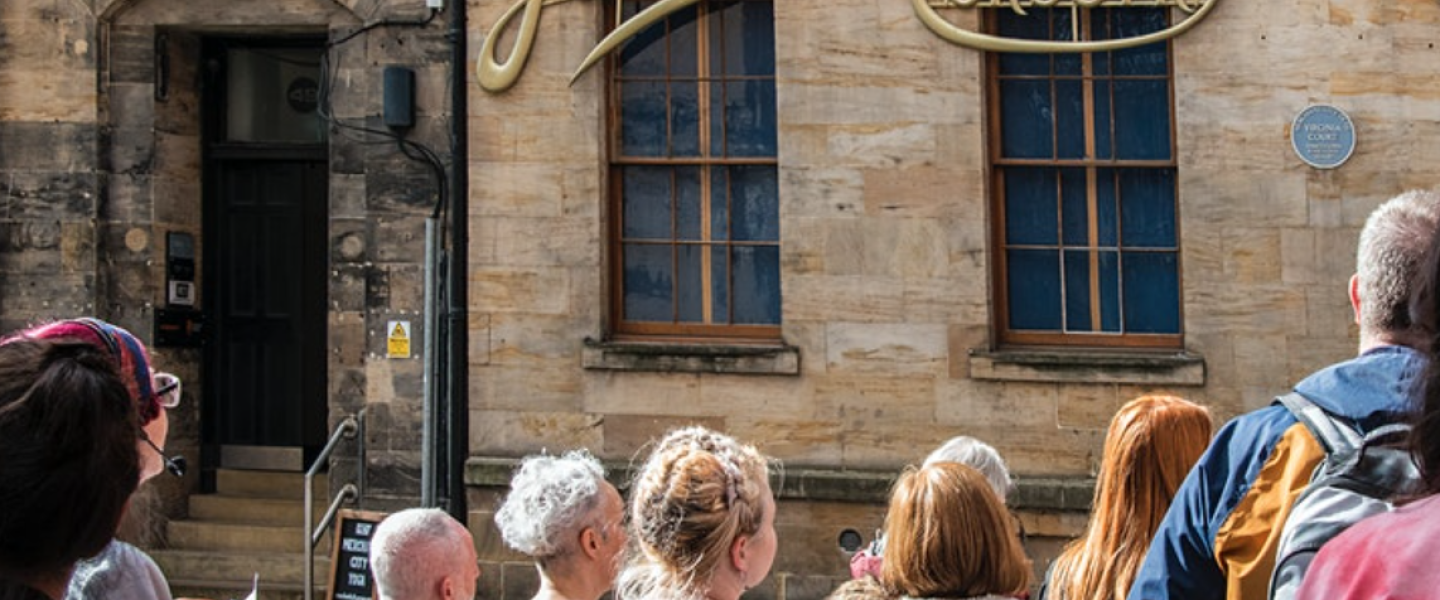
[[1176, 512]]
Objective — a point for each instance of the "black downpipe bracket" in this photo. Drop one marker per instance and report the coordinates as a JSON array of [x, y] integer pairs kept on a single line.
[[457, 406]]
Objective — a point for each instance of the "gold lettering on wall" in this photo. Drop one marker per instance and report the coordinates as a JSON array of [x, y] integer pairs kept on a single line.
[[927, 13], [497, 77]]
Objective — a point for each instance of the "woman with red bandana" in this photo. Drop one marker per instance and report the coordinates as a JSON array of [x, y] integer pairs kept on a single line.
[[121, 571]]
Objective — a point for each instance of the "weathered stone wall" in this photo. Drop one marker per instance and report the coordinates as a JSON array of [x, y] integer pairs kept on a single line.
[[378, 203], [886, 267], [1268, 241], [49, 185], [97, 165], [884, 218]]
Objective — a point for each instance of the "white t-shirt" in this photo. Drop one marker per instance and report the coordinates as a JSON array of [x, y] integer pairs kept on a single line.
[[119, 572]]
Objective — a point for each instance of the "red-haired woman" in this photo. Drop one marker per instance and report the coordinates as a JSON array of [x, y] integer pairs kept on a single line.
[[1150, 446]]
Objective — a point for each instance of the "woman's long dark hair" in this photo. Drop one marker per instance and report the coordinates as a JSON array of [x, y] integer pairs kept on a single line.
[[68, 461], [1425, 312]]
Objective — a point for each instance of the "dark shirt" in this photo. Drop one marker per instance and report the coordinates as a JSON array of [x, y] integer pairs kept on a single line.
[[14, 590]]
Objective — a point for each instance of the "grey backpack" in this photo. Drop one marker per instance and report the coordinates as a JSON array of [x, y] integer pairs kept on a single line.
[[1358, 477]]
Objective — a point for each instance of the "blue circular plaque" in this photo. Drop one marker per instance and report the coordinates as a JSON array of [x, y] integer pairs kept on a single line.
[[1323, 136]]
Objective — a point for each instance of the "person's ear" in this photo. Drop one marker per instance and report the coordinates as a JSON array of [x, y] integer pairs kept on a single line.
[[447, 587], [590, 542], [1355, 296], [740, 552]]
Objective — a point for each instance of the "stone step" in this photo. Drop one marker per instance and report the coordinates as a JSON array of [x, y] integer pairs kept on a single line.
[[203, 589], [224, 508], [226, 576], [253, 524], [239, 537], [268, 484]]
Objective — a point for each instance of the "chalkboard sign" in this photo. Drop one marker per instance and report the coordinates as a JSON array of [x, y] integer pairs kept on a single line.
[[350, 576]]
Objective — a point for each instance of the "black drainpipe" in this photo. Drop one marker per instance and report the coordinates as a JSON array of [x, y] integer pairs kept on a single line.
[[457, 326]]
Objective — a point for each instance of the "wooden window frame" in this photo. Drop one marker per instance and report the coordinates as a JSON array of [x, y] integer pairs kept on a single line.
[[677, 331], [1006, 337]]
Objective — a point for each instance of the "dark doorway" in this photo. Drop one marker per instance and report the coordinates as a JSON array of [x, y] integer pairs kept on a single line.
[[266, 198]]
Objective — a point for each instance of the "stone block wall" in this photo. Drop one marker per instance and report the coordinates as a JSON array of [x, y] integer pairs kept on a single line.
[[378, 203], [101, 156], [49, 187], [885, 225], [885, 229], [378, 199]]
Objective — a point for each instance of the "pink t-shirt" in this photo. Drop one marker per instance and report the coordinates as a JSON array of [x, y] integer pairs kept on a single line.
[[1394, 556]]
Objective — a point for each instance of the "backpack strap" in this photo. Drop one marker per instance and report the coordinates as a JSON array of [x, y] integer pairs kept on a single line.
[[1334, 436], [1385, 432]]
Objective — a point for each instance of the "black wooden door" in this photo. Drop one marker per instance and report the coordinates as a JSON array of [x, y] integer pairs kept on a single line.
[[266, 359]]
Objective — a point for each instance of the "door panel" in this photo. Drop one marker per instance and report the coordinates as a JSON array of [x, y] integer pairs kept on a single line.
[[268, 359]]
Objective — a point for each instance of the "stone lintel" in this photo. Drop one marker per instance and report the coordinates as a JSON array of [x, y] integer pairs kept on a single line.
[[1143, 368], [1053, 493], [770, 359]]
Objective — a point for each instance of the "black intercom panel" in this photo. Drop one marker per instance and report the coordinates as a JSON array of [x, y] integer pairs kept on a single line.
[[180, 269], [179, 324]]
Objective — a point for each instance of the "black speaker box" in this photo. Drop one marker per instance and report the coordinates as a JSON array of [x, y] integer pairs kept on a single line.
[[399, 97]]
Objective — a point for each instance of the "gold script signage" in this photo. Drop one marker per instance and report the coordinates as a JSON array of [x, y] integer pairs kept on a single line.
[[498, 77], [1194, 10], [495, 76]]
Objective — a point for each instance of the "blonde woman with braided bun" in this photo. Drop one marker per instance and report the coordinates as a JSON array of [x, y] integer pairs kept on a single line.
[[702, 518]]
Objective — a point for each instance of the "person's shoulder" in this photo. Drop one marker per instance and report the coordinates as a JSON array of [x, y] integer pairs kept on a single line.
[[120, 571], [1238, 453], [132, 557], [1418, 518], [1259, 428], [1405, 534], [1373, 385], [1270, 414]]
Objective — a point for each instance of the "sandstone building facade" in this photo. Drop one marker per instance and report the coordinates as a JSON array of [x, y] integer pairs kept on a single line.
[[839, 230]]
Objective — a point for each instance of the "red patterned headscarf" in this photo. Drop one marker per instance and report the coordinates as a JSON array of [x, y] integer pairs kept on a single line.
[[131, 359]]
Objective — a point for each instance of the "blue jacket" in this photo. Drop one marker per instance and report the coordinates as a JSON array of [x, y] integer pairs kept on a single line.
[[1218, 538]]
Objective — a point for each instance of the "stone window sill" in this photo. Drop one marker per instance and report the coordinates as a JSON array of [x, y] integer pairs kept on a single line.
[[773, 359], [1143, 368]]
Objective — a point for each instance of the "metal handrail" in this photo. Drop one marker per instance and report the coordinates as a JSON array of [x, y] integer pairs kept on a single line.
[[349, 427], [347, 493]]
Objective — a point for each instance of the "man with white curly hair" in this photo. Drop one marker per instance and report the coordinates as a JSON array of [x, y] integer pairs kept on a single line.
[[563, 513], [423, 554]]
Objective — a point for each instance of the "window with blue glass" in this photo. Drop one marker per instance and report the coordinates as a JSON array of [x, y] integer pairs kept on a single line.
[[1083, 171], [695, 194]]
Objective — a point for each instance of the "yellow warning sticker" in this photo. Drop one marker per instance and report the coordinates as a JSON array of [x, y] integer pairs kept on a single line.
[[397, 339]]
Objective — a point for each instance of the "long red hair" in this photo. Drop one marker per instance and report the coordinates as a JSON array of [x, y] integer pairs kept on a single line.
[[1151, 445]]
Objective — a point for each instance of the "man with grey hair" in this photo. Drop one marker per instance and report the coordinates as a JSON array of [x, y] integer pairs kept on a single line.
[[423, 554], [967, 450], [961, 449], [1220, 535], [563, 513]]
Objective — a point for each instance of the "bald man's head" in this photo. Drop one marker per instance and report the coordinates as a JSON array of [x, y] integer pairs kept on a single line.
[[423, 554]]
